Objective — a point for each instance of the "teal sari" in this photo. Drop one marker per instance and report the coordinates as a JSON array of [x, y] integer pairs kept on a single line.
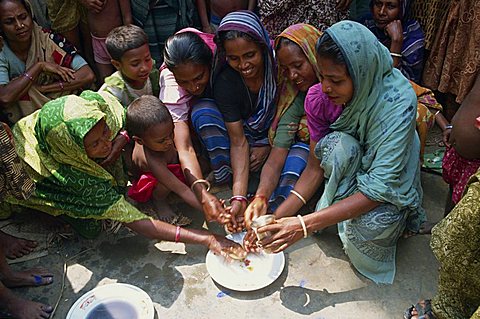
[[374, 150]]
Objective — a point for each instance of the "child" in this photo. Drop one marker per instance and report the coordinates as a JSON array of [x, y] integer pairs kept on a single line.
[[101, 20], [135, 76], [154, 157], [218, 9]]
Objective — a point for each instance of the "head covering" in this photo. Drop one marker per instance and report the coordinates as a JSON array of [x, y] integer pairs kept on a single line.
[[305, 36], [247, 22], [381, 116], [404, 8], [50, 142]]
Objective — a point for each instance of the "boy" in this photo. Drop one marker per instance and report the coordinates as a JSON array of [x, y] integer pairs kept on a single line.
[[135, 76], [218, 9], [102, 17], [154, 160]]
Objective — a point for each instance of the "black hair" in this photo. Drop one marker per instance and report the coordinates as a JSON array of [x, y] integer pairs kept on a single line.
[[124, 38], [145, 112], [223, 36], [186, 47], [327, 48], [23, 3], [282, 42]]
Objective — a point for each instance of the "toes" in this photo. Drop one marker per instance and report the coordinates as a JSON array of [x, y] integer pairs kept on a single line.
[[42, 280]]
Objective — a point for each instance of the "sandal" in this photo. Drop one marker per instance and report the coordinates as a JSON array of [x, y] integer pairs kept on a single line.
[[423, 308]]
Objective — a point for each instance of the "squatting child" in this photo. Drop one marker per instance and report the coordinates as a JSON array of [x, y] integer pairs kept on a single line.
[[135, 75]]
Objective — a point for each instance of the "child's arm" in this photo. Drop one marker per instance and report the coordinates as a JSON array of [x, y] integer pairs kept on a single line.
[[252, 5], [126, 11], [202, 12], [164, 176]]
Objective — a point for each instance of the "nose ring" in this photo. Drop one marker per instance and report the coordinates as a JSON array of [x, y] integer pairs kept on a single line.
[[22, 25]]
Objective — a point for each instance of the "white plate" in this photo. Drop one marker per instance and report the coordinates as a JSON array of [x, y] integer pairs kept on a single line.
[[261, 270], [114, 301]]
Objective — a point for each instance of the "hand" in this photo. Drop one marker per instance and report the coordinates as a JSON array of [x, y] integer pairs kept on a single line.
[[257, 207], [118, 144], [236, 222], [65, 74], [258, 155], [394, 31], [446, 137], [208, 29], [285, 232], [94, 5], [250, 241], [227, 248], [343, 5], [214, 209]]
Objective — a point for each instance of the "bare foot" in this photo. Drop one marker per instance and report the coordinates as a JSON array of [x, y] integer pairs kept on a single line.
[[164, 211], [16, 247], [23, 309], [423, 310], [31, 277]]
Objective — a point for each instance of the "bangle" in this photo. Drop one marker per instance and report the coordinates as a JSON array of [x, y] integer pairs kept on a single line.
[[28, 76], [125, 134], [201, 181], [305, 234], [300, 197], [397, 55], [239, 198], [177, 234], [60, 83], [436, 113], [264, 198], [448, 127]]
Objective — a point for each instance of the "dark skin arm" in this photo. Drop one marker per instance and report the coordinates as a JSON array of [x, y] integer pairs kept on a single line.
[[395, 32], [82, 78], [126, 12]]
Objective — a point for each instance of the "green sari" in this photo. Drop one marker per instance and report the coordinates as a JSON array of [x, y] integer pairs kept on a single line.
[[50, 142]]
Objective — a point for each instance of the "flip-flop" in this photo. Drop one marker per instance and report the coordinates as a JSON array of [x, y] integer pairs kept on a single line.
[[423, 311], [43, 280]]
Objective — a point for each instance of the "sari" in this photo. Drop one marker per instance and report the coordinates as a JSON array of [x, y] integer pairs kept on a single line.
[[413, 45], [45, 47], [373, 150], [50, 143]]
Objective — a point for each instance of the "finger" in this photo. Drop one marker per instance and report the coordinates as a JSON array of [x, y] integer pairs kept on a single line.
[[281, 248]]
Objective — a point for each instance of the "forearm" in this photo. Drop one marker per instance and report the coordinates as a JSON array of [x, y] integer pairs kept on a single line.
[[191, 199], [348, 208], [440, 119], [396, 48], [126, 12], [19, 86], [271, 171], [202, 12], [83, 78], [239, 154]]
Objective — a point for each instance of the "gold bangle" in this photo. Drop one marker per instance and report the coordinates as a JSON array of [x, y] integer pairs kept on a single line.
[[305, 233], [203, 181], [300, 197]]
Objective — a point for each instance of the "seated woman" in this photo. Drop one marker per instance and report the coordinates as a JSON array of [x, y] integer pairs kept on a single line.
[[62, 145], [184, 82], [235, 133], [289, 160], [35, 65], [370, 160]]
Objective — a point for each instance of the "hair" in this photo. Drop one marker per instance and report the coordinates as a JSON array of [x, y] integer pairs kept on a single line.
[[327, 48], [283, 42], [223, 36], [185, 47], [145, 112], [124, 38], [23, 3]]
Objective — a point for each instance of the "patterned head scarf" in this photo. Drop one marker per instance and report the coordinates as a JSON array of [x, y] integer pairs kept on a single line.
[[305, 36], [248, 23]]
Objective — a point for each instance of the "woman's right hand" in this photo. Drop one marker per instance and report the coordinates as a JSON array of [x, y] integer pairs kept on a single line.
[[214, 209], [65, 74], [220, 245], [258, 207]]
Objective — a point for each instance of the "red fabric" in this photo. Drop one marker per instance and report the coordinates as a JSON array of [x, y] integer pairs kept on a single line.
[[457, 171], [142, 189]]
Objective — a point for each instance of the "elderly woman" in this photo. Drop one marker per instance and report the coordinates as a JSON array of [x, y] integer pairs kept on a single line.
[[370, 160], [63, 143], [35, 65]]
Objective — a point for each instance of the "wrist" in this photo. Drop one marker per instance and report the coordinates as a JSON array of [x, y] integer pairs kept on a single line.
[[448, 127]]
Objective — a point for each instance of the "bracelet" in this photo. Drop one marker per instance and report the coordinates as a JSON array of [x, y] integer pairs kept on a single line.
[[28, 76], [60, 83], [125, 134], [397, 55], [300, 197], [436, 113], [305, 234], [202, 181], [177, 234], [239, 198], [448, 127], [261, 197]]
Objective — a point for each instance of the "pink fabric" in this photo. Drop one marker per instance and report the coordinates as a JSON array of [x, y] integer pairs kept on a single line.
[[176, 99], [321, 112], [142, 189], [457, 171], [100, 52]]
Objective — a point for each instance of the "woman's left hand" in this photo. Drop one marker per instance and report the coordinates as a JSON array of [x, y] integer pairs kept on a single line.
[[285, 232], [118, 144], [258, 155], [227, 248]]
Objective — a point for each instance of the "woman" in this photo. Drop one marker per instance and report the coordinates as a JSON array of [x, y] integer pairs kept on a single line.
[[370, 160], [402, 36], [290, 159], [235, 129], [35, 65], [184, 82], [63, 144]]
